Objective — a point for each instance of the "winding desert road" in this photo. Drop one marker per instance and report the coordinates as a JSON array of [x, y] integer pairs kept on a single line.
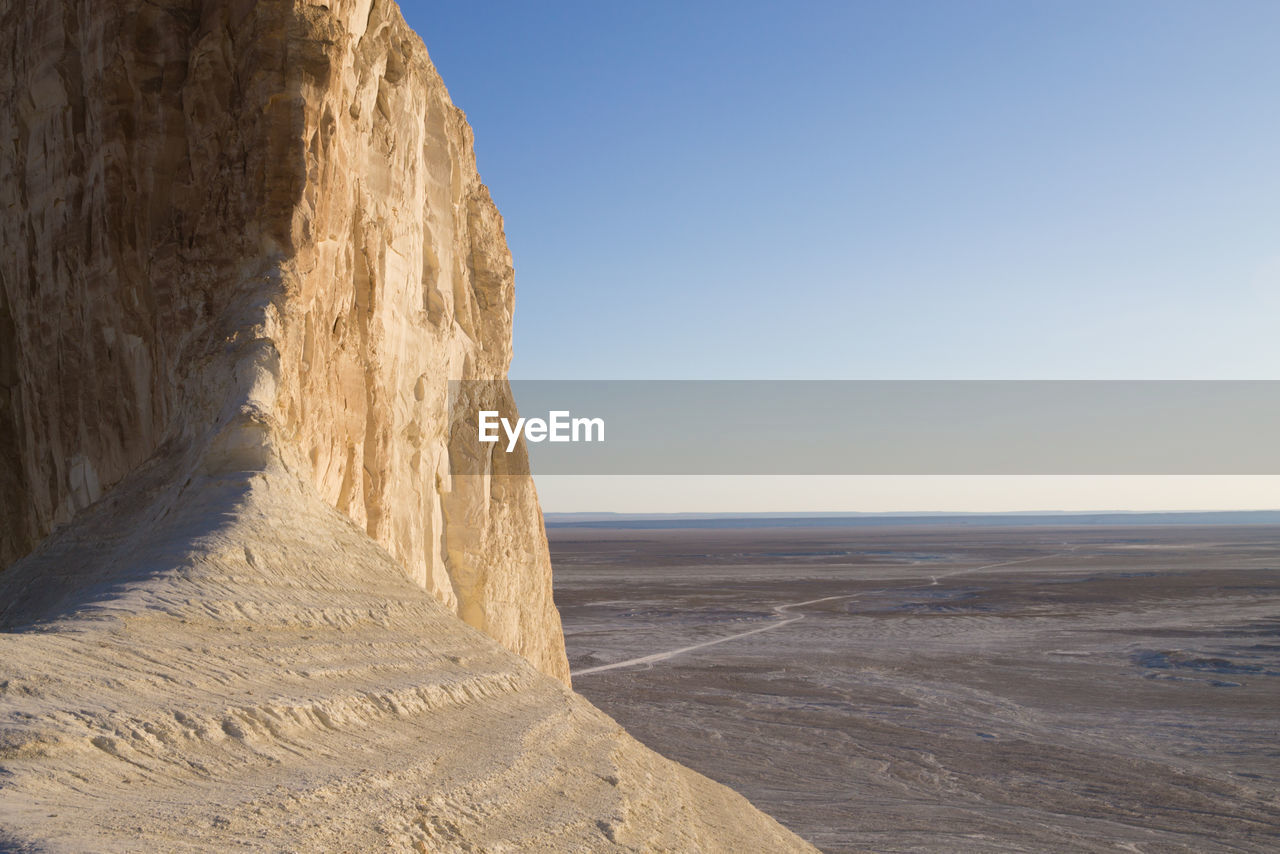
[[781, 611]]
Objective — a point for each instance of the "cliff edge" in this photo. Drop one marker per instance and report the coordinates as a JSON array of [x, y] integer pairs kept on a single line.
[[247, 604]]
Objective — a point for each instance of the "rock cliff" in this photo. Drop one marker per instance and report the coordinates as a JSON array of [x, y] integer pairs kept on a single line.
[[248, 603], [236, 231]]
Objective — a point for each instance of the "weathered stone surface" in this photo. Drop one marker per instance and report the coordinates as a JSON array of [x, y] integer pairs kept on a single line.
[[246, 250], [233, 665], [237, 231]]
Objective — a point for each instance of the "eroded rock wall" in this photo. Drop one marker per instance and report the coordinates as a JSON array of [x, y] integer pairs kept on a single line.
[[237, 231]]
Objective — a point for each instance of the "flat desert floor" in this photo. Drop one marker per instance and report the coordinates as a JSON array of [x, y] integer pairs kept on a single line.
[[949, 689]]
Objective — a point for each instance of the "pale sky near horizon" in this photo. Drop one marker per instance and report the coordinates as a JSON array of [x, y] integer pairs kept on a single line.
[[827, 190]]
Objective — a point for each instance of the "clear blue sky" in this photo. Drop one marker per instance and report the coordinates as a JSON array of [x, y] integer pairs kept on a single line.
[[879, 189], [1003, 189]]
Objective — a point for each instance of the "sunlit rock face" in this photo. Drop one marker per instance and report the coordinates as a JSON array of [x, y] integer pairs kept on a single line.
[[245, 252], [246, 233]]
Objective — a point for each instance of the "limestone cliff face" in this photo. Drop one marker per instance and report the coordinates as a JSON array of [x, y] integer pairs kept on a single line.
[[245, 251], [245, 233]]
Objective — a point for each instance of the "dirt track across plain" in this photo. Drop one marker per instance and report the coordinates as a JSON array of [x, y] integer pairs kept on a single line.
[[1032, 689]]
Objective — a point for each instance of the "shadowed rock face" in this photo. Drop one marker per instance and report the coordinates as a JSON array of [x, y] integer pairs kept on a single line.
[[240, 231]]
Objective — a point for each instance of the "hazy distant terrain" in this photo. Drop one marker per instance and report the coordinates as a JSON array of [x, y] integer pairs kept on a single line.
[[862, 520], [1043, 688]]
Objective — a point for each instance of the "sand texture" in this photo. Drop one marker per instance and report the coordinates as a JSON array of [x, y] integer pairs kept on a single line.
[[237, 666]]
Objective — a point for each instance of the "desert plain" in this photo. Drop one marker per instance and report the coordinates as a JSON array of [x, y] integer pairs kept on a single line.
[[949, 688]]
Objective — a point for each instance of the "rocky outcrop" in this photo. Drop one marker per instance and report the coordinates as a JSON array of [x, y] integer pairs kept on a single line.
[[238, 232], [246, 251]]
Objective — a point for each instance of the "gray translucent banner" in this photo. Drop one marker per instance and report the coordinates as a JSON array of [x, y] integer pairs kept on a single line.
[[867, 427]]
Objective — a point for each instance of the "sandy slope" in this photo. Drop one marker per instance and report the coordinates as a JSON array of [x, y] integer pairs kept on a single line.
[[231, 664]]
